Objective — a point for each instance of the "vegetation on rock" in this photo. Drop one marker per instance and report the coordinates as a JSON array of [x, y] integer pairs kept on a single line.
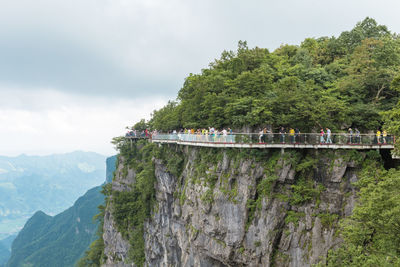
[[372, 233], [349, 81]]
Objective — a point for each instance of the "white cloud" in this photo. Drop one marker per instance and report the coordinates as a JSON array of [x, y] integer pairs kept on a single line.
[[65, 122], [134, 47], [74, 73]]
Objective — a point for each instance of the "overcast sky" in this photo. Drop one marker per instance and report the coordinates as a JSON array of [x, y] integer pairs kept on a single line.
[[74, 73]]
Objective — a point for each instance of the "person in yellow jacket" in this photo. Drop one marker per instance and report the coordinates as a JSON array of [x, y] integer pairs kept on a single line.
[[384, 136], [291, 134], [378, 136]]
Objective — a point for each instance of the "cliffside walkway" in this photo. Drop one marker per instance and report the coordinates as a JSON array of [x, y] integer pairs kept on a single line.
[[301, 141]]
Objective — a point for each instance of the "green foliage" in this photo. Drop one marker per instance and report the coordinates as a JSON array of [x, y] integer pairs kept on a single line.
[[328, 219], [306, 164], [372, 232], [171, 158], [131, 208], [264, 187], [62, 239], [140, 126], [208, 196], [294, 217], [166, 118], [93, 256], [333, 82], [305, 191]]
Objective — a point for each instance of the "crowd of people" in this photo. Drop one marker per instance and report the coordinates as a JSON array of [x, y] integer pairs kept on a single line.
[[265, 135], [138, 134]]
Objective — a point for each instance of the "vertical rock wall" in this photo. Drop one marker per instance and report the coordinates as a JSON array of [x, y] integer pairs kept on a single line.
[[238, 210]]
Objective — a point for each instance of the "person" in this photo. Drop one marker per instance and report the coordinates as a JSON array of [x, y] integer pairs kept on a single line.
[[270, 136], [224, 134], [378, 136], [358, 136], [264, 136], [384, 136], [350, 135], [282, 135], [291, 133], [297, 135], [321, 136], [260, 136], [328, 136], [230, 134]]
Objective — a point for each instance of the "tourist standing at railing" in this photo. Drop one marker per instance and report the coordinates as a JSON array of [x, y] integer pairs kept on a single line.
[[264, 137], [291, 134], [378, 136], [230, 135], [260, 136], [358, 136], [321, 136], [384, 136], [297, 135], [350, 136], [282, 135], [270, 136], [225, 135], [328, 136]]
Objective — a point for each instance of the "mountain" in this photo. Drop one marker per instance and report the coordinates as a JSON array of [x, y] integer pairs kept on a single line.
[[4, 254], [59, 240], [5, 249], [110, 168], [48, 183]]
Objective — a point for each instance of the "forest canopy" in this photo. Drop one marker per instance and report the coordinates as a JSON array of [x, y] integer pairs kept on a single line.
[[348, 81]]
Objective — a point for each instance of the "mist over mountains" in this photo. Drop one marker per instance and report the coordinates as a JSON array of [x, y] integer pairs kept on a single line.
[[47, 183]]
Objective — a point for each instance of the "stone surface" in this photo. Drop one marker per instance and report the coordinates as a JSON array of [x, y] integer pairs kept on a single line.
[[217, 232]]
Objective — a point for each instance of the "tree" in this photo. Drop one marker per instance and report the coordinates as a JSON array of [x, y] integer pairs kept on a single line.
[[372, 233]]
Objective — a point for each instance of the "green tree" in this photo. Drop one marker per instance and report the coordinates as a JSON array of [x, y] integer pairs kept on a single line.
[[372, 233]]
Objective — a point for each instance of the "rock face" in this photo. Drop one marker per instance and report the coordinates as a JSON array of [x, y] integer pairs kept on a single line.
[[115, 247], [238, 208]]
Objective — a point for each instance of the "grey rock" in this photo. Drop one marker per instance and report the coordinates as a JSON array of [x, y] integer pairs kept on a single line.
[[217, 233]]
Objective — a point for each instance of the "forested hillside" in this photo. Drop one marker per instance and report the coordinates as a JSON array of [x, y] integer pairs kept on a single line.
[[352, 80], [176, 205], [335, 82], [59, 240]]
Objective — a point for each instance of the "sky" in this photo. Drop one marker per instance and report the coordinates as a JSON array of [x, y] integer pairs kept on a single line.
[[75, 73]]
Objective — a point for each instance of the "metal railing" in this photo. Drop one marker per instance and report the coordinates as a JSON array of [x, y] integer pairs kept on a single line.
[[278, 138]]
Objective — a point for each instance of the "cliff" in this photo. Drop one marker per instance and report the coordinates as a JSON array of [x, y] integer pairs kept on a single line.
[[230, 207]]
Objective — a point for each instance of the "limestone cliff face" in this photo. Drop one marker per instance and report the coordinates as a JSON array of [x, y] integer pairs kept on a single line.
[[115, 247], [241, 208]]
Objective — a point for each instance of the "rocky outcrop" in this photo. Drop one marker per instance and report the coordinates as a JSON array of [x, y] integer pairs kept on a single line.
[[240, 210], [115, 246]]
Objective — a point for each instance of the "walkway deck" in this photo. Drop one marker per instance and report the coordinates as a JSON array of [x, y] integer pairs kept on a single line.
[[279, 145], [302, 141]]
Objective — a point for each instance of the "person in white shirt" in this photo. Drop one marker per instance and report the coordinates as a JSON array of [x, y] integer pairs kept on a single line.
[[328, 136]]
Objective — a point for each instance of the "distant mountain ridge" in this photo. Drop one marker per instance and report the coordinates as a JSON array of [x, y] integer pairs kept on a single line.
[[48, 183], [5, 249], [59, 240]]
